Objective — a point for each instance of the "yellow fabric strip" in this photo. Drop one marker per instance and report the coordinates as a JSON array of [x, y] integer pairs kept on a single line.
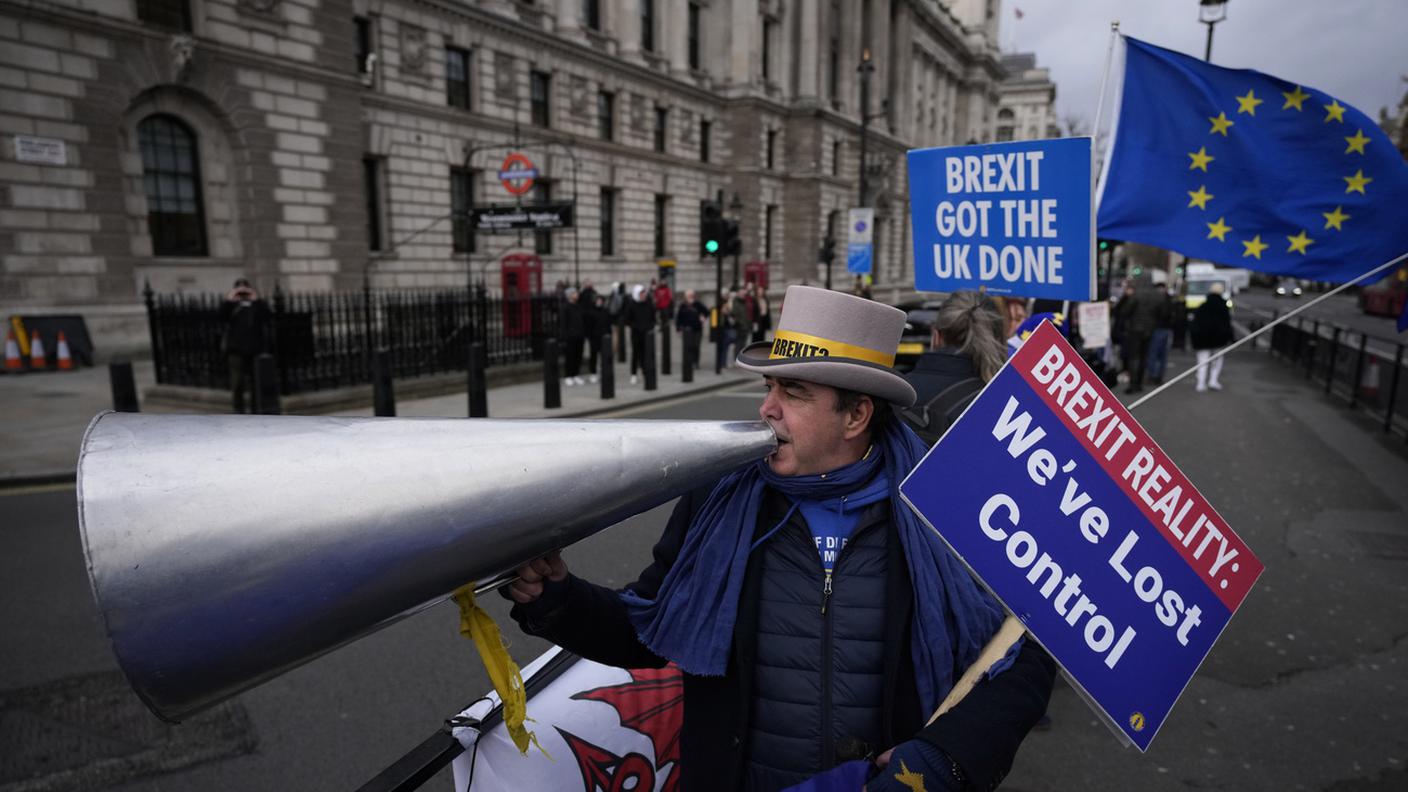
[[790, 344], [479, 627]]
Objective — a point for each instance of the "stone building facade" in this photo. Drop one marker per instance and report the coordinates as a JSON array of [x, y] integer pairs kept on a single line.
[[1026, 106], [313, 144]]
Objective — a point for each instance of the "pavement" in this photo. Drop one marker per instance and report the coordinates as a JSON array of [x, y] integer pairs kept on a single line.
[[45, 413]]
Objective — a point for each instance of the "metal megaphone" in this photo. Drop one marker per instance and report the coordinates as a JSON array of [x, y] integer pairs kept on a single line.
[[226, 550]]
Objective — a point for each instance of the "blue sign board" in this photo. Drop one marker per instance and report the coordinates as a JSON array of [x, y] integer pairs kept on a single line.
[[1083, 528], [1014, 217], [860, 246]]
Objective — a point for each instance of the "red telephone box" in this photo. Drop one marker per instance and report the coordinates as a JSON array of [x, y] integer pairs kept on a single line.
[[756, 272], [520, 277]]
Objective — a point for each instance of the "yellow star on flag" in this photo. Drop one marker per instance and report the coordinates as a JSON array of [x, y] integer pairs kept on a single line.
[[909, 778], [1333, 219], [1334, 111], [1201, 158], [1200, 198], [1247, 104], [1299, 243], [1218, 230], [1219, 124], [1254, 246], [1356, 143], [1294, 98], [1357, 182]]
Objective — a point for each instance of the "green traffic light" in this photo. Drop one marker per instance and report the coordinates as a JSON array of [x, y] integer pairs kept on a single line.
[[1104, 245], [712, 246]]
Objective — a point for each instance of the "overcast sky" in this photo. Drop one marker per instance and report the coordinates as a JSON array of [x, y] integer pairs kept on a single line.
[[1354, 50]]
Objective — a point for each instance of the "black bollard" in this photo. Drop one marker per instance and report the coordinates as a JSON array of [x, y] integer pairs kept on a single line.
[[383, 395], [687, 339], [124, 387], [478, 385], [552, 388], [266, 386], [608, 369], [665, 348], [649, 362]]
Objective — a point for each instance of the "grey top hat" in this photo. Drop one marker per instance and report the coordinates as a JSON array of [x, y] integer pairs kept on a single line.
[[834, 339]]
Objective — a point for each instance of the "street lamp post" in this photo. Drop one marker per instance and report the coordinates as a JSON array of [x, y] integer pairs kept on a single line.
[[1210, 12], [736, 207], [866, 68]]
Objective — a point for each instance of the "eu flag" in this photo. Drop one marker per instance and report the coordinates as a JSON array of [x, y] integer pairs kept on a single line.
[[1249, 170]]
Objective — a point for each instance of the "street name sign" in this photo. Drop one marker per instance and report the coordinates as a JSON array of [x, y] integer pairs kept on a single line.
[[1013, 217], [1078, 522], [511, 217]]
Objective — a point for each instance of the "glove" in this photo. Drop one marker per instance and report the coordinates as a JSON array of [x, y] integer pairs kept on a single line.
[[918, 766]]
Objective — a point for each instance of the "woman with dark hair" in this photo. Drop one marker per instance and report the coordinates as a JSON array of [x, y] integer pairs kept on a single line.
[[966, 351]]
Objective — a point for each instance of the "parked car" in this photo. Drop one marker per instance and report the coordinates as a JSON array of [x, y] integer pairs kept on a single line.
[[1288, 287]]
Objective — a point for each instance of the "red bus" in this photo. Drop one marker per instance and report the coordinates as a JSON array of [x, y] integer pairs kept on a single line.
[[1386, 297]]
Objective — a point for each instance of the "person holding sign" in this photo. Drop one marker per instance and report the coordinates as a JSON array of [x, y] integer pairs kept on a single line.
[[815, 618]]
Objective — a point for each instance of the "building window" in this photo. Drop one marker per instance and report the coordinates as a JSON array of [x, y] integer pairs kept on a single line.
[[835, 158], [364, 44], [769, 28], [769, 218], [539, 85], [662, 211], [371, 184], [693, 36], [833, 70], [704, 127], [171, 176], [1006, 124], [662, 128], [542, 240], [457, 77], [591, 14], [833, 222], [647, 25], [772, 149], [173, 14], [608, 221], [461, 200], [606, 115]]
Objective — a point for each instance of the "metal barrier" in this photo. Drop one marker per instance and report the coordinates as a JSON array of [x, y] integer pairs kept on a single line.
[[1366, 371], [326, 340]]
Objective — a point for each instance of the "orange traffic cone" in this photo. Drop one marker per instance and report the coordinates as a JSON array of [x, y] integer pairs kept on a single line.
[[12, 352], [65, 359], [37, 360]]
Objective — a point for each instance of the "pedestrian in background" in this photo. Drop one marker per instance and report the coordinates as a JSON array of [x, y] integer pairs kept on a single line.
[[616, 313], [966, 349], [1162, 337], [573, 332], [689, 318], [598, 326], [246, 318], [742, 324], [721, 330], [664, 301], [1138, 311], [1210, 330], [762, 312], [640, 318]]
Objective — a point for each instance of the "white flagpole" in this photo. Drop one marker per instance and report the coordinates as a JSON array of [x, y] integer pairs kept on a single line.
[[1151, 394]]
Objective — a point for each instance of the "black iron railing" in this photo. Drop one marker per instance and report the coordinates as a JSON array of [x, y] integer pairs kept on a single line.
[[326, 340], [1367, 371]]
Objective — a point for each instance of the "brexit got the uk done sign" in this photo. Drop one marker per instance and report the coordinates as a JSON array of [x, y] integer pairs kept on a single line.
[[1013, 217], [1080, 524]]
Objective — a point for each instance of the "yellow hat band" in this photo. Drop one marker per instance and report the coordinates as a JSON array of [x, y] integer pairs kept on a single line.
[[789, 344]]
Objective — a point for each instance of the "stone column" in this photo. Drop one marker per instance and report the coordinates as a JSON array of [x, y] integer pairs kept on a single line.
[[806, 51], [674, 21], [742, 26], [569, 20], [624, 21]]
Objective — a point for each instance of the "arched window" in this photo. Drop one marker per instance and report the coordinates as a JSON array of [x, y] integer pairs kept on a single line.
[[1006, 124], [171, 176]]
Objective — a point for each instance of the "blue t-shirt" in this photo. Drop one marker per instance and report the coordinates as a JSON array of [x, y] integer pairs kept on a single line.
[[833, 520]]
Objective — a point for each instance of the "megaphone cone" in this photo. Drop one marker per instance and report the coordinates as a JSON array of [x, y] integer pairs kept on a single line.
[[225, 550]]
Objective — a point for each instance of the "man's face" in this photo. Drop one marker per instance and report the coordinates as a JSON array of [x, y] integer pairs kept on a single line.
[[689, 296], [812, 437]]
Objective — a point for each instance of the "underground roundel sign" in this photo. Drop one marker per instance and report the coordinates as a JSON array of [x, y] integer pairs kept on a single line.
[[517, 173]]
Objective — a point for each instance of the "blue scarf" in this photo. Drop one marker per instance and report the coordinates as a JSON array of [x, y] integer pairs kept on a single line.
[[692, 617]]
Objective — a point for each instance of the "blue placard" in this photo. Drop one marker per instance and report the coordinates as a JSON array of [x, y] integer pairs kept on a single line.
[[1014, 217], [1074, 518], [858, 259]]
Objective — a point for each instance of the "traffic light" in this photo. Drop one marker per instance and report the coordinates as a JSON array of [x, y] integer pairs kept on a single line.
[[711, 229], [828, 251], [1104, 245], [732, 243]]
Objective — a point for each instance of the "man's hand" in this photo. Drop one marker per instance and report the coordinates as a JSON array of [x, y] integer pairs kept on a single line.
[[531, 575], [916, 764]]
